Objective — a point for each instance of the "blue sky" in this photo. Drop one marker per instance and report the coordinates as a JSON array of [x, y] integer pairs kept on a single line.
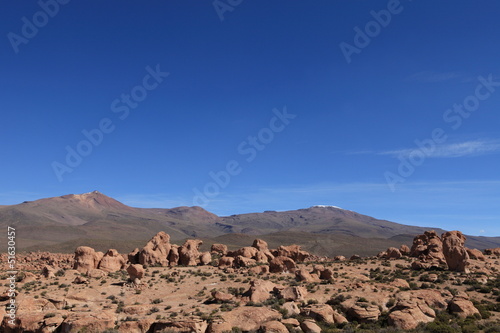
[[387, 108]]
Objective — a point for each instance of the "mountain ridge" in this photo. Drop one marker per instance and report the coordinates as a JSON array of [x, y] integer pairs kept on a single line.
[[47, 222]]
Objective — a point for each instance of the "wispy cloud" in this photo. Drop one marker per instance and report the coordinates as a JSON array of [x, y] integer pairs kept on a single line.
[[462, 149], [451, 150]]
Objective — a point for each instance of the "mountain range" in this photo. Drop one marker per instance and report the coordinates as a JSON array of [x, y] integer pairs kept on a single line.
[[59, 224]]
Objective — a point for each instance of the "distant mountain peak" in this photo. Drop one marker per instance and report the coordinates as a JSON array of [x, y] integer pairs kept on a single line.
[[326, 206]]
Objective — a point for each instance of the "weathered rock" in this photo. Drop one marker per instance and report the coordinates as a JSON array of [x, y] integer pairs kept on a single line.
[[156, 251], [310, 326], [303, 275], [323, 313], [455, 252], [355, 257], [112, 261], [246, 318], [428, 248], [292, 293], [205, 258], [364, 312], [241, 261], [260, 290], [246, 252], [173, 255], [292, 251], [48, 272], [219, 248], [86, 258], [400, 283], [226, 262], [339, 258], [260, 245], [135, 271], [222, 297], [181, 326], [189, 253], [133, 257], [97, 273], [80, 280], [462, 307], [89, 321], [141, 325], [404, 249], [273, 327], [291, 308], [495, 251], [260, 269], [393, 253], [475, 254], [281, 264], [291, 321]]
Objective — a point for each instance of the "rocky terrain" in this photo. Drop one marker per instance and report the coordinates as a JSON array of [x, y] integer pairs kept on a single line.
[[436, 285]]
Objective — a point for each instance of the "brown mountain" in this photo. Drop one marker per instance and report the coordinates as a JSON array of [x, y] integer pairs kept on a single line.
[[62, 223]]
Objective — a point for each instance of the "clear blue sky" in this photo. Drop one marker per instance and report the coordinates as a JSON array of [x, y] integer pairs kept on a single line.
[[353, 115]]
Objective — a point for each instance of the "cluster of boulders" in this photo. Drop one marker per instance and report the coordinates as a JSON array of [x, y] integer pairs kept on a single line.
[[446, 252], [283, 259], [160, 252]]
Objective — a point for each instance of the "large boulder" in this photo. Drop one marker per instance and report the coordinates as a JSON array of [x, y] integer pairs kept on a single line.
[[246, 318], [455, 252], [292, 251], [86, 259], [260, 245], [364, 313], [135, 272], [475, 254], [219, 248], [260, 290], [112, 261], [247, 252], [462, 307], [189, 252], [205, 258], [173, 255], [292, 293], [393, 253], [324, 313], [156, 251], [282, 264], [428, 248]]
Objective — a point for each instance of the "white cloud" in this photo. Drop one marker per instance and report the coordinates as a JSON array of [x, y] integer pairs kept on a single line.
[[467, 148]]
